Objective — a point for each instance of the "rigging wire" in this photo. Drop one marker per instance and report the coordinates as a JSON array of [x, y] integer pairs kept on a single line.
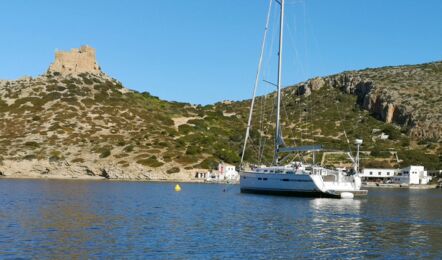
[[264, 128], [343, 128], [297, 60], [256, 81]]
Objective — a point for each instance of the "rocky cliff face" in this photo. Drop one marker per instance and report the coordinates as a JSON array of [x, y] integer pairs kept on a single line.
[[408, 96]]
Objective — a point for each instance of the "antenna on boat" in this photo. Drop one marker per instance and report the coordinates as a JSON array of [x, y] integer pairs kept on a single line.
[[278, 135], [358, 143]]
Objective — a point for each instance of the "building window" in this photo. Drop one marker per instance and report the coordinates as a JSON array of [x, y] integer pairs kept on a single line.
[[388, 173], [371, 173], [379, 173]]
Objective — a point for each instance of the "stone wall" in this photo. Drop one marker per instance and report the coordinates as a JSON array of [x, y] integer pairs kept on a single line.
[[75, 61]]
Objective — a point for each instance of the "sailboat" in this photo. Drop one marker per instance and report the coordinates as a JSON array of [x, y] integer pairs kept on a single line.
[[295, 178]]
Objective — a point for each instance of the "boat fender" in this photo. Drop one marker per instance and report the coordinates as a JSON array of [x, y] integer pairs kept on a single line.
[[347, 195]]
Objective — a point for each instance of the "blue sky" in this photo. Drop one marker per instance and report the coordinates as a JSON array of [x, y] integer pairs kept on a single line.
[[203, 51]]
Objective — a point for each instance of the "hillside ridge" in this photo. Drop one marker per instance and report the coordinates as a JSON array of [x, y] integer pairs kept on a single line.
[[77, 123]]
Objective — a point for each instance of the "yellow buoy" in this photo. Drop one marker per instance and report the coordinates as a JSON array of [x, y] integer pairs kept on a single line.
[[177, 187]]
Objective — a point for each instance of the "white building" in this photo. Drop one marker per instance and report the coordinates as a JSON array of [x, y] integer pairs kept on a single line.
[[412, 175], [373, 173], [408, 175], [227, 172]]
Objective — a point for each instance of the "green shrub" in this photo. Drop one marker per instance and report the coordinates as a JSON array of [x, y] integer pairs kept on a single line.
[[128, 148], [105, 153], [378, 153], [185, 129], [30, 157], [123, 163], [208, 163], [55, 156], [87, 81], [193, 149], [151, 161], [227, 155], [186, 159], [392, 132], [173, 170], [78, 160], [32, 145]]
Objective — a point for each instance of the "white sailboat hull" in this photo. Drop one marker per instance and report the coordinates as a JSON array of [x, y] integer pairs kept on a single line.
[[295, 185]]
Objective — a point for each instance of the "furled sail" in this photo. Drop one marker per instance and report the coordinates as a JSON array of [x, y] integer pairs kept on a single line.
[[280, 139]]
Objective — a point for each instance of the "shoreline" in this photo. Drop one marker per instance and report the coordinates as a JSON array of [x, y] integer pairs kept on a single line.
[[105, 170], [401, 186], [99, 178]]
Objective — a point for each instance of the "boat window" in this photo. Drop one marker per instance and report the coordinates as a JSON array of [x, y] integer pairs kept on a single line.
[[244, 177], [265, 179], [265, 171], [259, 179], [285, 180]]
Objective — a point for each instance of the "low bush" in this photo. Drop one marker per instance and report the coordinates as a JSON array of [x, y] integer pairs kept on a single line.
[[173, 170], [151, 161]]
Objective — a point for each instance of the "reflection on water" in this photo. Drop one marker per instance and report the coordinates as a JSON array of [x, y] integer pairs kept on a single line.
[[339, 226], [94, 219]]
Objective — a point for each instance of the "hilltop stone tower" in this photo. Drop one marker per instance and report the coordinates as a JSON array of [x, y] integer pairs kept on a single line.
[[75, 61]]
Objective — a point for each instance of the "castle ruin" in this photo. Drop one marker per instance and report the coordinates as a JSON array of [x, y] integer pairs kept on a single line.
[[76, 61]]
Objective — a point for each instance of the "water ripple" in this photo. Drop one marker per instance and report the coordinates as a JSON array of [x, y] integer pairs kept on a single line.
[[96, 220]]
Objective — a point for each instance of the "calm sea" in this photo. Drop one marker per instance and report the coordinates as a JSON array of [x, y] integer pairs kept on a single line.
[[61, 219]]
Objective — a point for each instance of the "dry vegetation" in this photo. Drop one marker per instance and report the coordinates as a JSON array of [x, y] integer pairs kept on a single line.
[[93, 117]]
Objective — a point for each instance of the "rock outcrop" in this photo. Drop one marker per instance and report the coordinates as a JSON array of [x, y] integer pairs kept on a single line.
[[76, 61], [408, 96], [101, 170]]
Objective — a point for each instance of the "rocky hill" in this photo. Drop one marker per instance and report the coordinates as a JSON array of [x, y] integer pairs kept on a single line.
[[76, 121], [409, 96]]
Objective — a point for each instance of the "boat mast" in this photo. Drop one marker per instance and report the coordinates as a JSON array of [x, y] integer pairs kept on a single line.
[[278, 136]]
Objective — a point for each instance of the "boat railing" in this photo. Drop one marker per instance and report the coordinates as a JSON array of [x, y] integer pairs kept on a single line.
[[324, 171], [333, 176]]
